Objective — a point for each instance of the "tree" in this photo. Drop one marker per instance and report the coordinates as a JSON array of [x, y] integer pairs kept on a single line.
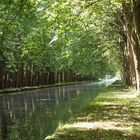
[[58, 41]]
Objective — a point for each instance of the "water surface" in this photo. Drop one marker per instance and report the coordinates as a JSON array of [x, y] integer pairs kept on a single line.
[[32, 115]]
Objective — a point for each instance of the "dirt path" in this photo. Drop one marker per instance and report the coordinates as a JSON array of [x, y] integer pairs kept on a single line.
[[113, 115]]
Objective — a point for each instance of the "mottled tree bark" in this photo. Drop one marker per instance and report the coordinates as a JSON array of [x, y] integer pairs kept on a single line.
[[132, 47]]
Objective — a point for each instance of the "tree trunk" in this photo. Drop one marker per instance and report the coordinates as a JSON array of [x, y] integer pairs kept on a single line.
[[130, 44]]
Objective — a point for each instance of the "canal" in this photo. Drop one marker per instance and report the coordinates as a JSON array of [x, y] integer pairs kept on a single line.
[[32, 115]]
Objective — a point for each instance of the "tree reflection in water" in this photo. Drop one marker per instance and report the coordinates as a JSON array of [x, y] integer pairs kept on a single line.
[[32, 115]]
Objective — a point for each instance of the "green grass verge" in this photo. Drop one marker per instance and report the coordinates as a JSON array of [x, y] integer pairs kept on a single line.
[[113, 115]]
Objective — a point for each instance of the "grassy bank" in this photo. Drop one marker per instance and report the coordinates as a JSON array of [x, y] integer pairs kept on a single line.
[[8, 90], [113, 115]]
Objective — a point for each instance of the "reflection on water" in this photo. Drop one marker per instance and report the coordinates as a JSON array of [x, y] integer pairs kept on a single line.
[[32, 115]]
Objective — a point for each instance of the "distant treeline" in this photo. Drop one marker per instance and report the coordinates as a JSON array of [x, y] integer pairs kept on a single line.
[[30, 77]]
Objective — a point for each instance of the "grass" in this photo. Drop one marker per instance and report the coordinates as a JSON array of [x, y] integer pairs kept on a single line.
[[113, 115]]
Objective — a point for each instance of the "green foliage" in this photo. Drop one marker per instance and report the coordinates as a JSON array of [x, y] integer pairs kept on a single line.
[[62, 35], [17, 18]]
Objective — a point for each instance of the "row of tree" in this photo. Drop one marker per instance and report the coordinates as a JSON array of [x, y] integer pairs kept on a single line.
[[46, 42], [130, 41]]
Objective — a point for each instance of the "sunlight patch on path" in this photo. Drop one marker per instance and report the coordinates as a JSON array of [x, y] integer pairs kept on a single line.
[[129, 95], [106, 125]]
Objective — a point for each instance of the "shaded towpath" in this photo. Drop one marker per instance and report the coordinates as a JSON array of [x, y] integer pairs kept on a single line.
[[113, 115]]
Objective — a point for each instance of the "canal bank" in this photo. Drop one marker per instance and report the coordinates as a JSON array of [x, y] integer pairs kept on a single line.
[[33, 114], [11, 90], [112, 115]]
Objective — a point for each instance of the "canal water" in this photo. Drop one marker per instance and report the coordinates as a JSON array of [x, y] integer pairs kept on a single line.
[[32, 115]]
